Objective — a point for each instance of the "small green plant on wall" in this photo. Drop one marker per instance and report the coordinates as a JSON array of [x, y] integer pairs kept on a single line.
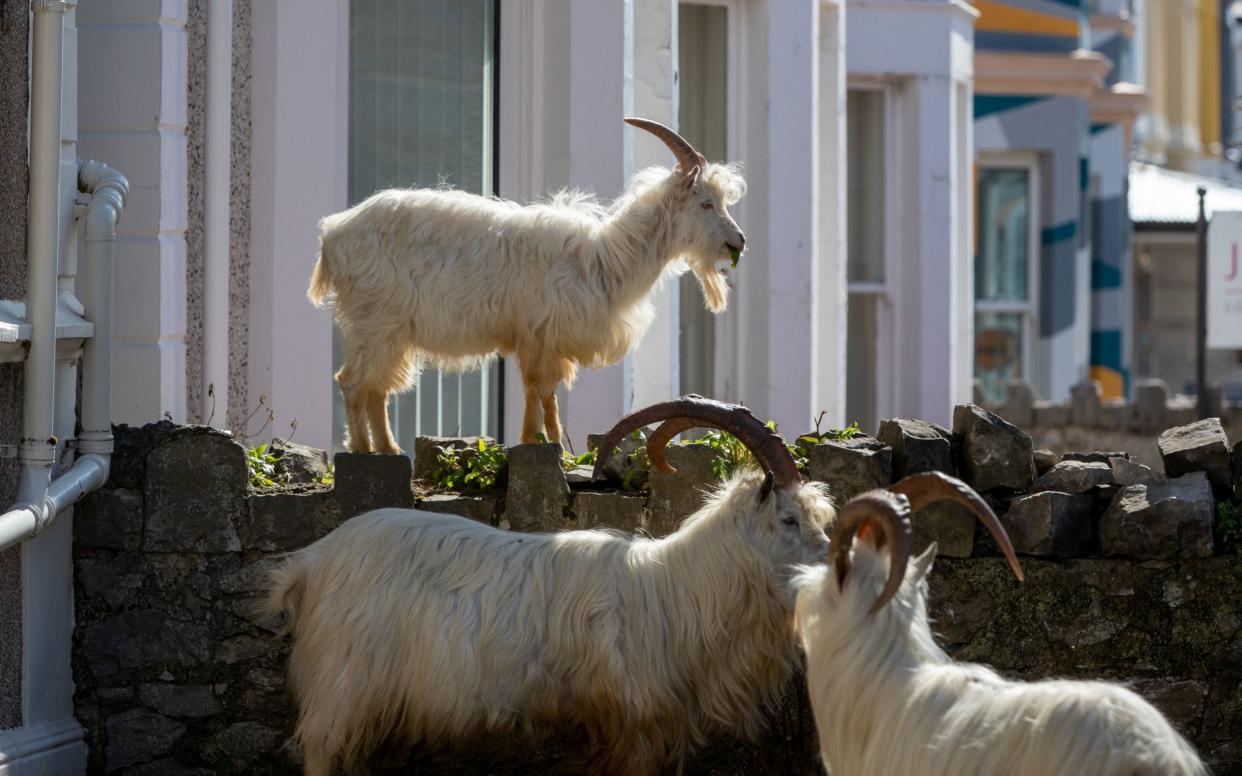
[[262, 466], [730, 453], [471, 468]]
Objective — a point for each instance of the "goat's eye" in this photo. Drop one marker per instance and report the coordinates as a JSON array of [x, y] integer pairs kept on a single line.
[[708, 206], [790, 521]]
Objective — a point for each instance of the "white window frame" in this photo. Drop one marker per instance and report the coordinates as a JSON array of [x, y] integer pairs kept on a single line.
[[1030, 308], [887, 291]]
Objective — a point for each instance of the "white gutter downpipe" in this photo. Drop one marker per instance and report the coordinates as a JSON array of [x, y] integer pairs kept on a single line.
[[37, 451], [218, 136], [40, 500]]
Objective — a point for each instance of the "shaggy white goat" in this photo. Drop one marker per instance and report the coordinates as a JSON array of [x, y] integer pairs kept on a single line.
[[450, 278], [888, 700], [433, 630]]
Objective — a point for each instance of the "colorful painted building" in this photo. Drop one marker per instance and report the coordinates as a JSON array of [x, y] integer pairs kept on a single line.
[[1053, 108]]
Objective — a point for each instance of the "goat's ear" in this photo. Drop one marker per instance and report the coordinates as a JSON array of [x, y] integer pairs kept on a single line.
[[691, 178], [923, 563], [769, 478]]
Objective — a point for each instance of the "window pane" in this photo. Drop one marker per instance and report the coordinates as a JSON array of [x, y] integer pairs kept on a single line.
[[998, 351], [864, 119], [421, 78], [1001, 267], [702, 31], [860, 354]]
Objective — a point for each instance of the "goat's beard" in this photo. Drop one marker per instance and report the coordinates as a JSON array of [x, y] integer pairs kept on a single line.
[[715, 288]]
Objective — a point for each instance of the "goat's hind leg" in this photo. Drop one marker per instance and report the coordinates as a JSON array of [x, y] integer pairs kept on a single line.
[[381, 431], [357, 439]]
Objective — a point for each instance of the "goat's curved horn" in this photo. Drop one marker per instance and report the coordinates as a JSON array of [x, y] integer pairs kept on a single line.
[[927, 487], [891, 512], [687, 157], [695, 411]]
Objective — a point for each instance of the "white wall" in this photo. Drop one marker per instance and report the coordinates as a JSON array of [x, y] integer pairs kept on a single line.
[[298, 152], [132, 114]]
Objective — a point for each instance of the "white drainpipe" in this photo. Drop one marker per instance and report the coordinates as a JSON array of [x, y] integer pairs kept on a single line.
[[39, 498]]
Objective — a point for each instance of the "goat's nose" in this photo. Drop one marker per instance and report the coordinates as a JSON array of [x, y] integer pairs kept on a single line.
[[741, 240]]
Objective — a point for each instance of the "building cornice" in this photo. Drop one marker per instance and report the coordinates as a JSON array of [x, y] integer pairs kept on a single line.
[[1081, 73], [959, 8], [1123, 103], [1120, 22]]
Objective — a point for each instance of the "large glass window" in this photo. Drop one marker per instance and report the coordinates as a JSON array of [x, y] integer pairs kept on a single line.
[[1004, 261], [702, 35], [421, 95], [869, 313]]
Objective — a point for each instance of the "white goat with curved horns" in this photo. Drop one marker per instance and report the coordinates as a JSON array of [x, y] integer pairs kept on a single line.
[[888, 700], [450, 278], [433, 629]]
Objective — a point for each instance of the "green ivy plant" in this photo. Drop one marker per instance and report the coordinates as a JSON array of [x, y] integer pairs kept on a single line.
[[472, 468], [328, 478], [262, 466]]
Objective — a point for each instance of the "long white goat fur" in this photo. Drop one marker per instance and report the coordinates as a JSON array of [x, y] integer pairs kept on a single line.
[[436, 628], [888, 700], [568, 277]]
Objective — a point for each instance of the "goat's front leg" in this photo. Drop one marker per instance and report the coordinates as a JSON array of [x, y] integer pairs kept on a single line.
[[551, 416], [532, 420], [358, 440], [381, 432]]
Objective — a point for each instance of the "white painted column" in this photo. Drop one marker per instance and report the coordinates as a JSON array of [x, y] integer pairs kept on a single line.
[[831, 284], [299, 144], [601, 92], [800, 354], [657, 362], [132, 112]]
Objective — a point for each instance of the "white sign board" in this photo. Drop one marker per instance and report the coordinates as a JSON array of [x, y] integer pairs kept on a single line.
[[1224, 281]]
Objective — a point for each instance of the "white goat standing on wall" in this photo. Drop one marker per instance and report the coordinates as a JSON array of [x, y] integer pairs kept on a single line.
[[887, 700], [433, 629], [449, 278]]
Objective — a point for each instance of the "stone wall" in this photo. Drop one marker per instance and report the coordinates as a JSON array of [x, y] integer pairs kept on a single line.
[[1088, 422], [1125, 579]]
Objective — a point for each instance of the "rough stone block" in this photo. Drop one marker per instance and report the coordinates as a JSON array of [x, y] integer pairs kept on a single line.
[[277, 522], [621, 511], [143, 640], [1085, 402], [994, 453], [243, 743], [851, 466], [1181, 700], [1169, 520], [131, 446], [1127, 472], [298, 463], [674, 497], [580, 476], [1044, 460], [1200, 446], [137, 736], [194, 491], [1151, 399], [918, 446], [479, 508], [109, 519], [365, 482], [176, 700], [1050, 523], [1074, 477], [949, 525], [1019, 407], [427, 452], [537, 492], [113, 580]]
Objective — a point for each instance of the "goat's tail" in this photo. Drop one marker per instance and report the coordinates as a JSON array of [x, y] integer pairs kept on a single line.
[[286, 584], [321, 280]]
